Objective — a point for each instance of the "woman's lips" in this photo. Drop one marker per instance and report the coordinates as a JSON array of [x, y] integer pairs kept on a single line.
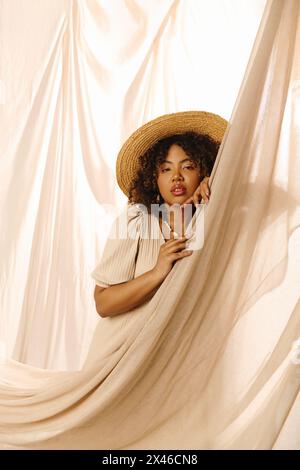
[[178, 192]]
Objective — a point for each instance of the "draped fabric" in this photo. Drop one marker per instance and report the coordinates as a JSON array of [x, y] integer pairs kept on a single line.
[[77, 77], [212, 360]]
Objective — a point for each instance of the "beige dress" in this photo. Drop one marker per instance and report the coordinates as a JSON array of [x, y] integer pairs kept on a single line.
[[126, 257]]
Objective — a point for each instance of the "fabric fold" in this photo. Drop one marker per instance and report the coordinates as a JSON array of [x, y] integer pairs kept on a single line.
[[208, 362]]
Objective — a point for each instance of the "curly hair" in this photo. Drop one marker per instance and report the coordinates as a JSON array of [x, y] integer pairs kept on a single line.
[[201, 148]]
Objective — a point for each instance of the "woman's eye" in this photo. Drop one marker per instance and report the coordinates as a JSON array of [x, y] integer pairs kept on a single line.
[[167, 169]]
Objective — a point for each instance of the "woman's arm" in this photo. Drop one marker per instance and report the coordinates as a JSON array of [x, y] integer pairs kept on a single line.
[[121, 298]]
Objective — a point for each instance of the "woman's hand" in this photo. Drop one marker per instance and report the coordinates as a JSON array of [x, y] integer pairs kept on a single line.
[[169, 253], [202, 192]]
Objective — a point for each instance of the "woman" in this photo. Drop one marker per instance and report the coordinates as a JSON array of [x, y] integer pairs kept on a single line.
[[96, 407], [165, 162]]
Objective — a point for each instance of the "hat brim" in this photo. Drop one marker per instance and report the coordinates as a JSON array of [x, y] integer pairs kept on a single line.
[[144, 137]]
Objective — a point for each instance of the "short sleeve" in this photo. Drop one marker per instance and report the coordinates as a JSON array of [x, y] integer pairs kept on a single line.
[[119, 255]]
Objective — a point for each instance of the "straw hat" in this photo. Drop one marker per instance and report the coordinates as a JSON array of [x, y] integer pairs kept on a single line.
[[166, 125]]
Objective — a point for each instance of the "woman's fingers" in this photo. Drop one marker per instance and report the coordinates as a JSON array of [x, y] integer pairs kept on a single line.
[[176, 241], [179, 245], [205, 189], [202, 192], [197, 196]]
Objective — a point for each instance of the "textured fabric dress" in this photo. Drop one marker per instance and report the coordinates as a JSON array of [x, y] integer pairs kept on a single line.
[[128, 255], [128, 252]]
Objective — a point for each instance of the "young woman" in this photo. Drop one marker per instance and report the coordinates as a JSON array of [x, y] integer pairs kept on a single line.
[[165, 162]]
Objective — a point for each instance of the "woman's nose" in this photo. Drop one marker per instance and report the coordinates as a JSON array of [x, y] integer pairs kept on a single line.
[[176, 175]]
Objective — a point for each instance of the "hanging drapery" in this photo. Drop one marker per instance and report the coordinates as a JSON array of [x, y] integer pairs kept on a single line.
[[73, 87], [209, 362]]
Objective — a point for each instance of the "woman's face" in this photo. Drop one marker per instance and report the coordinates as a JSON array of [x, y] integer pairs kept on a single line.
[[178, 170]]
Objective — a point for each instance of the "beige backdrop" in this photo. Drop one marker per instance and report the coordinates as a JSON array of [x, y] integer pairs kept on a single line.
[[209, 362], [76, 79]]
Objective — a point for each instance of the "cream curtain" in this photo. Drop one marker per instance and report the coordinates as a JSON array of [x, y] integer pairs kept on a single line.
[[76, 79], [211, 361]]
